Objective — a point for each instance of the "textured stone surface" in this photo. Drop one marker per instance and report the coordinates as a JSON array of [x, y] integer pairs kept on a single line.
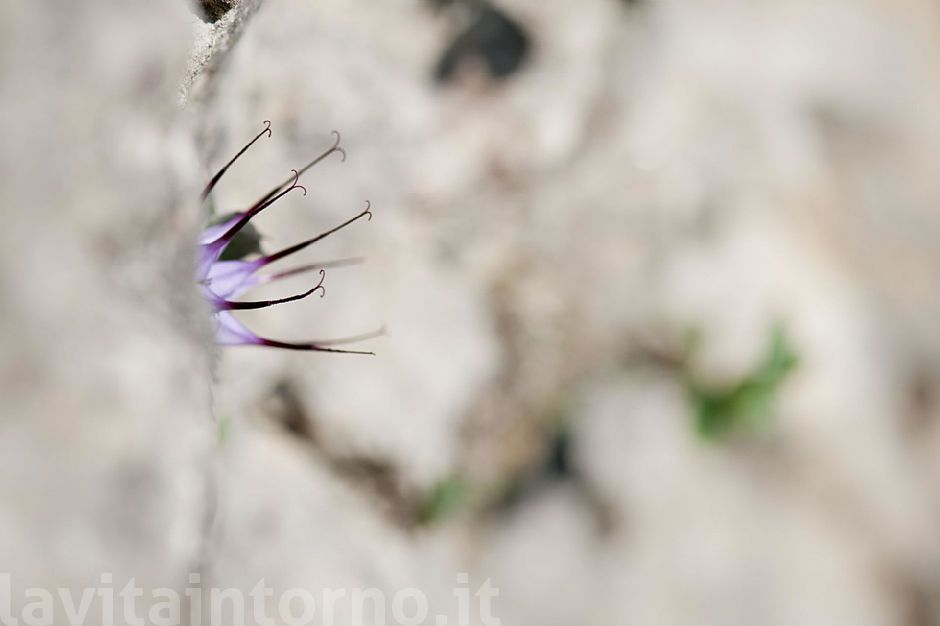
[[213, 39], [106, 426]]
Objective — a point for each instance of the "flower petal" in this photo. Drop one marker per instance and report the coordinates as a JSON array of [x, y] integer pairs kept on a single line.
[[230, 332], [230, 279], [214, 232], [206, 256]]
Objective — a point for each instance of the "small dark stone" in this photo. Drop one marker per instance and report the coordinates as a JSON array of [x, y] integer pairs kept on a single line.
[[493, 38]]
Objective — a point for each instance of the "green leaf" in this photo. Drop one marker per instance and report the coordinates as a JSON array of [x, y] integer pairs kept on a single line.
[[748, 404], [224, 431], [445, 499]]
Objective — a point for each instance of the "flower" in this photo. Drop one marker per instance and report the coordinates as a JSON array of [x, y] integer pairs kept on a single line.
[[221, 281]]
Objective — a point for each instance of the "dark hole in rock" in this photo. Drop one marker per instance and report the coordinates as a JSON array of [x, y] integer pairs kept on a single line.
[[213, 10], [492, 39]]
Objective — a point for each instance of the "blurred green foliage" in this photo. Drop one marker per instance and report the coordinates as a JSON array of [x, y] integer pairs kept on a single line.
[[747, 404], [444, 500], [224, 430]]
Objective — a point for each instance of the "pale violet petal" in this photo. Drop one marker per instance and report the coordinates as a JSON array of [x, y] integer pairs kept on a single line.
[[230, 279], [213, 233], [230, 332]]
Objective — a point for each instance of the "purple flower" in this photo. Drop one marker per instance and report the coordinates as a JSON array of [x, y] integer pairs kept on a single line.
[[222, 281]]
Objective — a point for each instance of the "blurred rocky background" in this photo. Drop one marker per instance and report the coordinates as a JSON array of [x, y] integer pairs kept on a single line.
[[658, 279]]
